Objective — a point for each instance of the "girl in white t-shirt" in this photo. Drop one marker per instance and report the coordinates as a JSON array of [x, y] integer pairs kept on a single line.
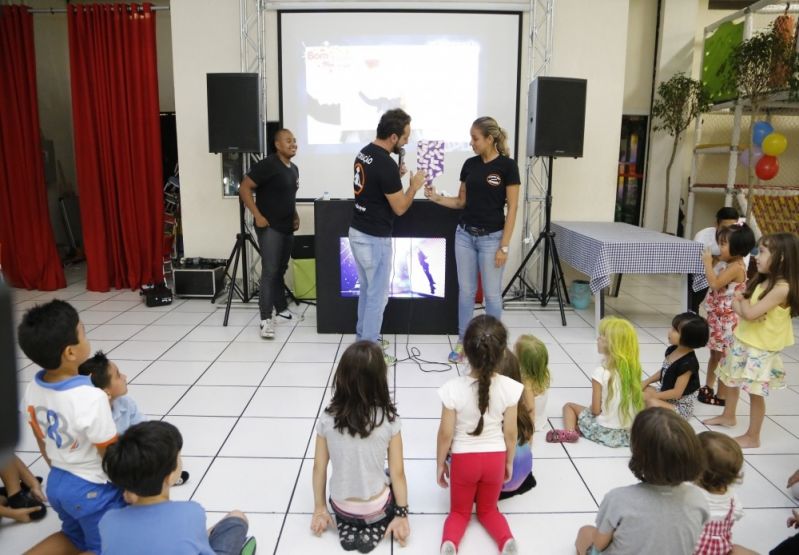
[[616, 391], [478, 425], [354, 433]]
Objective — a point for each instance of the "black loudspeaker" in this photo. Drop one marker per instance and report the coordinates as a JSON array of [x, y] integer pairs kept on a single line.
[[556, 117], [234, 122]]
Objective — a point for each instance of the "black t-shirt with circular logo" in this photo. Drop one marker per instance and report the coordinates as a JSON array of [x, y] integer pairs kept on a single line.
[[276, 191], [486, 184], [376, 175]]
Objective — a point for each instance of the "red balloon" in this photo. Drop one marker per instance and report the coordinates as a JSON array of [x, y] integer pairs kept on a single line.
[[767, 167]]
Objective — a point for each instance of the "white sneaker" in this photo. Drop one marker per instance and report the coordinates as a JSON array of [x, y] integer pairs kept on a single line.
[[448, 548], [267, 329], [510, 548], [286, 314]]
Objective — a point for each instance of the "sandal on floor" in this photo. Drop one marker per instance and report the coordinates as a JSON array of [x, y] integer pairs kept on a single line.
[[562, 436], [708, 397]]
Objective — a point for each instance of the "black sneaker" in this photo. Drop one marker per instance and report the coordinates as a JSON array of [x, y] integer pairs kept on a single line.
[[24, 500], [184, 477], [22, 485]]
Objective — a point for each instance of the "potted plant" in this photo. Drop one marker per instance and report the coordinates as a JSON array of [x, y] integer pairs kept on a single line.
[[680, 100], [757, 66]]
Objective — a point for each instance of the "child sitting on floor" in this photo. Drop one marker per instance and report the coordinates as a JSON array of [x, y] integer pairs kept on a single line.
[[661, 513], [723, 463], [679, 375], [354, 433], [105, 375], [145, 462], [534, 367], [72, 423], [522, 479], [616, 392]]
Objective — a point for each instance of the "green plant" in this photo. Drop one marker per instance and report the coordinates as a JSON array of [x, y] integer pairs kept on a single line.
[[759, 65], [680, 100]]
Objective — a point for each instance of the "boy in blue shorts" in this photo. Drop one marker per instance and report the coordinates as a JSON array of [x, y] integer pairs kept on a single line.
[[72, 422], [145, 463]]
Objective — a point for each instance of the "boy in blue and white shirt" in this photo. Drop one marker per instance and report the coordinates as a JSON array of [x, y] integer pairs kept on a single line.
[[71, 420]]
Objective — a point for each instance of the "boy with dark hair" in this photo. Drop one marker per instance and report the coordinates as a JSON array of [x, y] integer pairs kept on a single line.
[[105, 374], [71, 420], [145, 463]]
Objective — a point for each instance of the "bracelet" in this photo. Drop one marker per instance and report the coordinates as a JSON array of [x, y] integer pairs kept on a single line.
[[401, 512]]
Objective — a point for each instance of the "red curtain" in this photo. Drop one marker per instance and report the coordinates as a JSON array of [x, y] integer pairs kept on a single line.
[[117, 142], [29, 256]]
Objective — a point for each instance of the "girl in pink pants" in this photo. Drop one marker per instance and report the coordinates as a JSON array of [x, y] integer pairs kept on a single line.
[[478, 426]]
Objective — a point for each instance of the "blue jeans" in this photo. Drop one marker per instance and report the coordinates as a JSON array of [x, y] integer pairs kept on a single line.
[[80, 505], [473, 253], [275, 250], [373, 258], [228, 536]]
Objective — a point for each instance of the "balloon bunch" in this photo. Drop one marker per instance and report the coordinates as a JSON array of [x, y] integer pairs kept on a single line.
[[767, 144]]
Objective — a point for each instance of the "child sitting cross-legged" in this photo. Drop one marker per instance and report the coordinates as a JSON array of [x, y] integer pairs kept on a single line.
[[145, 463], [662, 513], [105, 375], [615, 391]]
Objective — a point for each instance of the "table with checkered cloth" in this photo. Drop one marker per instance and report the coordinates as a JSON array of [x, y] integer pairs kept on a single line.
[[601, 249]]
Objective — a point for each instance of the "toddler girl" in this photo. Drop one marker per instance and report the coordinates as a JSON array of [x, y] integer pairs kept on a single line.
[[723, 463], [522, 479], [616, 392], [765, 310], [478, 423], [661, 513], [725, 279], [679, 375], [354, 432], [534, 366]]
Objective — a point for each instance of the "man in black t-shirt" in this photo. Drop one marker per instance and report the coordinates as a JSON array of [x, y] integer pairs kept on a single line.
[[275, 181], [378, 199]]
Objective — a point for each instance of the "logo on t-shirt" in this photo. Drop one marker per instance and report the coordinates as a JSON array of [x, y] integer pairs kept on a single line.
[[359, 181], [494, 179]]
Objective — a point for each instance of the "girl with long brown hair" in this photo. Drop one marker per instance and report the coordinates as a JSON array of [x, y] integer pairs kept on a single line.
[[478, 425]]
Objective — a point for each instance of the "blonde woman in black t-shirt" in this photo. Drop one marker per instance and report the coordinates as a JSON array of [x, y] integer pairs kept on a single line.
[[489, 182]]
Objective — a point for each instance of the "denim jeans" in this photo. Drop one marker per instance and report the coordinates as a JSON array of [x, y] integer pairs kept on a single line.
[[473, 253], [227, 537], [275, 252], [373, 258]]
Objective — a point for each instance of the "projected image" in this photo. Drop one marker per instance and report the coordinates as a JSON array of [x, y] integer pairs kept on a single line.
[[418, 272], [350, 86]]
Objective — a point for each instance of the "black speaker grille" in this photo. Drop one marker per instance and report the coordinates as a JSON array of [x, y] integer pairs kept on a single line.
[[557, 117], [234, 123]]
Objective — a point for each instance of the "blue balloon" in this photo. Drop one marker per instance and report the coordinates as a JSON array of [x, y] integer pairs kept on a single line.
[[760, 131]]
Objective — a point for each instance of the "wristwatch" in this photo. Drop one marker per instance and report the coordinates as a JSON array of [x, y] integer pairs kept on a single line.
[[504, 249]]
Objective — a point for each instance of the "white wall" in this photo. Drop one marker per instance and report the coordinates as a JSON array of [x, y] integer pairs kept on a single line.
[[640, 56], [591, 43], [205, 38]]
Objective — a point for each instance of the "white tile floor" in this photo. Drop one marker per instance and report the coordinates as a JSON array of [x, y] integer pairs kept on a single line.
[[247, 410]]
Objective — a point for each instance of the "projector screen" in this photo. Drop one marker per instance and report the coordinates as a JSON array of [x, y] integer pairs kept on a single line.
[[339, 71]]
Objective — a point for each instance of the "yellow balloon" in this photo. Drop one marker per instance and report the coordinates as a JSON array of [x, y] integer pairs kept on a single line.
[[774, 144]]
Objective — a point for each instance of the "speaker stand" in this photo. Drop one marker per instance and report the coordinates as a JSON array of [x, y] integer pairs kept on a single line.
[[244, 292], [553, 284]]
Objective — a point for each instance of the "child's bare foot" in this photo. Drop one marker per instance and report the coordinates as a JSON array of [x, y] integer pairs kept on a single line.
[[720, 420], [747, 442]]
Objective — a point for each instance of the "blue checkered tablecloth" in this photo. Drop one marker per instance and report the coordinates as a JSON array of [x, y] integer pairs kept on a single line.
[[601, 249]]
